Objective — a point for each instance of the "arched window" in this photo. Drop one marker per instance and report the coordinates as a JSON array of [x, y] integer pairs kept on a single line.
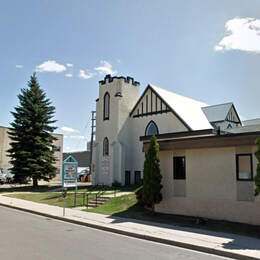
[[151, 129], [105, 147], [106, 106]]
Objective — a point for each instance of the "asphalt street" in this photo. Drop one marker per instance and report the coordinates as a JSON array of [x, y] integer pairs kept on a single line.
[[26, 236]]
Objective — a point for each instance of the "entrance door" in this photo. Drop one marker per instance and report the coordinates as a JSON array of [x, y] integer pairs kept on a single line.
[[127, 178], [138, 180]]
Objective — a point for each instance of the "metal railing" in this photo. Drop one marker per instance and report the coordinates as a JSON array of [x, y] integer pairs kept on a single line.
[[83, 198], [88, 194]]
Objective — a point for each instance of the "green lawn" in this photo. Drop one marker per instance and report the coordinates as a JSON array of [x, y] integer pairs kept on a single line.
[[49, 195], [52, 198], [49, 188], [40, 188], [116, 205]]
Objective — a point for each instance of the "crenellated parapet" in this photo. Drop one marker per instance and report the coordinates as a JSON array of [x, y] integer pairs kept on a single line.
[[109, 79]]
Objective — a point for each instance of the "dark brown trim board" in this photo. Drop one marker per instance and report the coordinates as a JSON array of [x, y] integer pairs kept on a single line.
[[213, 141], [183, 134]]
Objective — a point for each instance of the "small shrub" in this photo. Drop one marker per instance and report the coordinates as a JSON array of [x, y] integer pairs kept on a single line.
[[116, 184], [152, 176]]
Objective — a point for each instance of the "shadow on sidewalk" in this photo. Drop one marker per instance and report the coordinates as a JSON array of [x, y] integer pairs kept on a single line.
[[237, 244], [243, 236]]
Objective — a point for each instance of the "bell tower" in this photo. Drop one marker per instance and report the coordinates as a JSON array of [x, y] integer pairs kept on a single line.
[[117, 97]]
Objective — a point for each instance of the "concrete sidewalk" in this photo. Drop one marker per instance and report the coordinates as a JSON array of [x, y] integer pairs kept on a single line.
[[224, 244]]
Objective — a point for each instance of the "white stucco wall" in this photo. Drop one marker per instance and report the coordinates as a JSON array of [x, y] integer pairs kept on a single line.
[[212, 190], [166, 123], [107, 169]]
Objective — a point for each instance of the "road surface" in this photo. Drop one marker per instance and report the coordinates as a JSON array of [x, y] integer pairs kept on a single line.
[[26, 236]]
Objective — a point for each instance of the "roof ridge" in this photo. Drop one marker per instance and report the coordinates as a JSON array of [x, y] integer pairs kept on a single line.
[[188, 110], [219, 104], [258, 118], [178, 94]]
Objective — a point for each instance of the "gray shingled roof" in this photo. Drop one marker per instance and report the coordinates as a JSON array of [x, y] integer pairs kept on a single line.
[[217, 112], [83, 157]]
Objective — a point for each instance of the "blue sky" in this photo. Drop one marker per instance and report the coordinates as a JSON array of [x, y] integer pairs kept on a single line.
[[208, 50]]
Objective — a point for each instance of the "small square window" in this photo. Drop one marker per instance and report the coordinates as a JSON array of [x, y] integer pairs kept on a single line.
[[56, 148], [244, 167], [179, 168]]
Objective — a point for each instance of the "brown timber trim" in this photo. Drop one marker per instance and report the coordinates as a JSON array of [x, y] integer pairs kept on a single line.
[[227, 140], [235, 113], [166, 104], [181, 134]]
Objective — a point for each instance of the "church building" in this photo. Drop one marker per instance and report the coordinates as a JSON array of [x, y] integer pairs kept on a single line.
[[206, 152]]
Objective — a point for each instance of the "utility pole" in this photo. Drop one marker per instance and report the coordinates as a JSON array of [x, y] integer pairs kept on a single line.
[[93, 133]]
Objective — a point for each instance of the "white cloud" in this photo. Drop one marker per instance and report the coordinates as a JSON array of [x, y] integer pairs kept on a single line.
[[77, 137], [69, 129], [19, 66], [68, 75], [106, 68], [50, 66], [69, 65], [74, 137], [84, 75], [244, 35]]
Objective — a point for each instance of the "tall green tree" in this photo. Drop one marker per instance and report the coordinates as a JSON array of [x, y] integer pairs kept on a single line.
[[257, 177], [152, 175], [31, 151]]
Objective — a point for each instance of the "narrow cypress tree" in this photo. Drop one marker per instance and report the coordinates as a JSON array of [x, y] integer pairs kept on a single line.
[[31, 151], [152, 175], [257, 177]]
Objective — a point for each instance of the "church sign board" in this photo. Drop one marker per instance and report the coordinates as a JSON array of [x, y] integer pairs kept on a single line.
[[69, 173]]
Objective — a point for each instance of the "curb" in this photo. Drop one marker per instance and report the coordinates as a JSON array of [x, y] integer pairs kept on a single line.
[[139, 236]]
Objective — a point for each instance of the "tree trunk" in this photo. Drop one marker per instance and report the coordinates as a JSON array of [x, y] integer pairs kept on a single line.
[[35, 183], [153, 208]]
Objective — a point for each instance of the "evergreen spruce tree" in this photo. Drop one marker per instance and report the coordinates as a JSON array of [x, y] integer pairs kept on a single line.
[[152, 175], [31, 151], [257, 177]]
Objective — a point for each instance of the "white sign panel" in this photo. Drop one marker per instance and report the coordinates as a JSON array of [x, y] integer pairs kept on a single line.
[[70, 183], [70, 175]]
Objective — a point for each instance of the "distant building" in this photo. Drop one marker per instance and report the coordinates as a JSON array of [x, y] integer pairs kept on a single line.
[[5, 145], [206, 153], [82, 157]]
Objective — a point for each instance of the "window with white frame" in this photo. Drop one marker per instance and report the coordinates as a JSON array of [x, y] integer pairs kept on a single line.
[[151, 129], [244, 165]]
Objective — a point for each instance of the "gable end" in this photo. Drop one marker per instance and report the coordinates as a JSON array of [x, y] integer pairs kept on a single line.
[[151, 103]]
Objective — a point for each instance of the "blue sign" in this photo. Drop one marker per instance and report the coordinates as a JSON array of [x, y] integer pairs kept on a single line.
[[69, 172]]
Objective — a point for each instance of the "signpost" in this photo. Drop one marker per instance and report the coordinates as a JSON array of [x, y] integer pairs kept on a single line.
[[69, 177], [64, 194]]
